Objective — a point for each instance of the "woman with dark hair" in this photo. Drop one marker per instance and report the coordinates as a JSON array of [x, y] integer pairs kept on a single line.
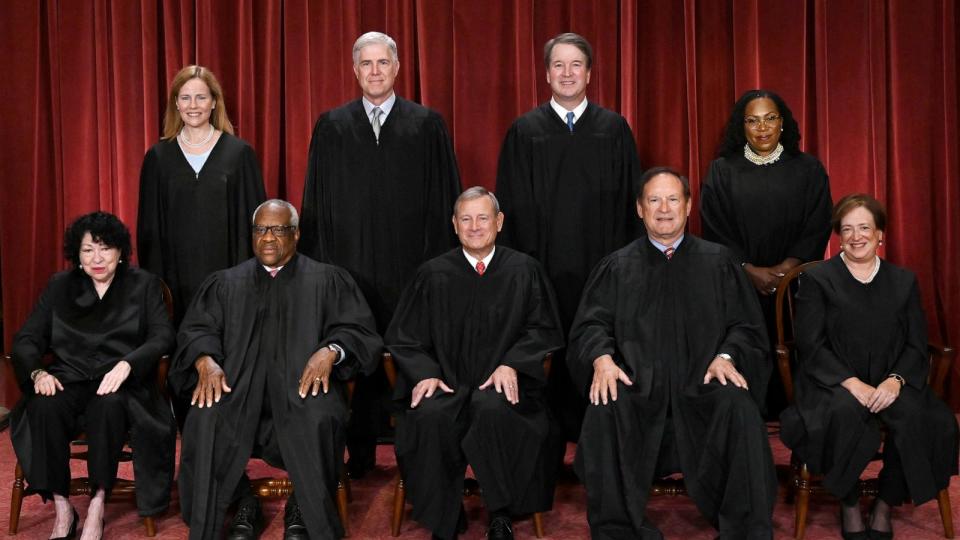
[[106, 326], [862, 344], [766, 200], [198, 188]]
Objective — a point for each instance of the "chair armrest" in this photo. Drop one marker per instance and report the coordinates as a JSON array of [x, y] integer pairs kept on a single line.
[[942, 358]]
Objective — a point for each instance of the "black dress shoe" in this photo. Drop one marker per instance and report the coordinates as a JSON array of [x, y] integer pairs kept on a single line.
[[293, 526], [246, 522], [73, 528], [501, 528]]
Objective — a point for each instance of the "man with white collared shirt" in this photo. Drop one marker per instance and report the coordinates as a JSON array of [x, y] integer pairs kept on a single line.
[[469, 338], [566, 176], [264, 351], [381, 177], [670, 347]]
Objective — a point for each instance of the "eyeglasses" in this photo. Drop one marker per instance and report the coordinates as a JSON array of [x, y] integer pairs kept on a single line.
[[753, 122], [278, 230]]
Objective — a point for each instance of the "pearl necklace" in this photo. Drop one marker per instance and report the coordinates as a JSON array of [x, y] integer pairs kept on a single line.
[[185, 142], [757, 159]]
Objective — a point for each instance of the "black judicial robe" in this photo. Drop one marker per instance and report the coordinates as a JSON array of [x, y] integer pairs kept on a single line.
[[88, 335], [262, 331], [379, 210], [190, 224], [458, 326], [866, 330], [569, 200], [766, 213], [663, 322]]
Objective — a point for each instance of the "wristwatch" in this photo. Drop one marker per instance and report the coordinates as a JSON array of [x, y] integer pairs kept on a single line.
[[36, 374], [898, 378], [726, 357]]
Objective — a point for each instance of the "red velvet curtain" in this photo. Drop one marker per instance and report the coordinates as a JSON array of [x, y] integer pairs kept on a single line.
[[873, 84]]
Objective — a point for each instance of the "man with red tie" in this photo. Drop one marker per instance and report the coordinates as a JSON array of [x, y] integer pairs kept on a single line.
[[469, 337]]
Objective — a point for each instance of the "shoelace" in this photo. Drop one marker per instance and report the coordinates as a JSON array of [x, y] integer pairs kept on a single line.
[[500, 525]]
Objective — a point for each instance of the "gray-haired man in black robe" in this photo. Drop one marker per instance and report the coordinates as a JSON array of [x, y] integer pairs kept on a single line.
[[669, 344], [263, 352], [381, 178], [470, 336]]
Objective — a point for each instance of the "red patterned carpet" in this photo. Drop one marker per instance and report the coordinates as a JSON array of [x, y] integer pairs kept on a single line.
[[373, 499]]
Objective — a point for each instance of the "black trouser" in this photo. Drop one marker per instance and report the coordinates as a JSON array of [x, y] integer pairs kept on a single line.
[[55, 420]]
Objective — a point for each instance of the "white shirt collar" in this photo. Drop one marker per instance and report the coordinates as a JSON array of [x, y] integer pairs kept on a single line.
[[386, 106], [663, 247], [486, 260], [268, 269], [562, 112]]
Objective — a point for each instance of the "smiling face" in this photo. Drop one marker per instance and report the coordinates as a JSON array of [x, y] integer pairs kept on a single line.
[[859, 235], [762, 125], [477, 223], [664, 208], [98, 261], [376, 70], [271, 249], [195, 102], [568, 75]]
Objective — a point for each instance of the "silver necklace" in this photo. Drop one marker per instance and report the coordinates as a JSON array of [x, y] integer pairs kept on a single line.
[[757, 159], [183, 138]]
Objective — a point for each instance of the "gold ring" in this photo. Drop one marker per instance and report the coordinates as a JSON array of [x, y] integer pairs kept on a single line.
[[317, 379]]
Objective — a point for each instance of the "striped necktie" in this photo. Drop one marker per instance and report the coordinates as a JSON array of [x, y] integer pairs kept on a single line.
[[375, 122], [669, 252], [481, 268]]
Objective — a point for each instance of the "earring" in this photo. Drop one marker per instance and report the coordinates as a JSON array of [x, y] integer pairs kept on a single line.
[[881, 242], [841, 247]]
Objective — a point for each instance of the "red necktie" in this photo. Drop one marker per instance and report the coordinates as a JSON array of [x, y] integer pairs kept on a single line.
[[273, 273], [481, 268], [669, 252]]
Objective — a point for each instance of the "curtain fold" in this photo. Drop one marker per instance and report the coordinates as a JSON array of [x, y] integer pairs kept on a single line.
[[873, 84]]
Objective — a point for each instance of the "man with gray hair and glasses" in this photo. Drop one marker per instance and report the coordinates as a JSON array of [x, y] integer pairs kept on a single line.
[[264, 353], [381, 178]]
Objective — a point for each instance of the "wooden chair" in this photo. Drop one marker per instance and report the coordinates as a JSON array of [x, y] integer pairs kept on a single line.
[[470, 485], [802, 483], [123, 489], [282, 487]]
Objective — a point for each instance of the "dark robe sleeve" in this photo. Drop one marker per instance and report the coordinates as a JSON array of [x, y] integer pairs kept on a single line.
[[817, 358], [199, 334], [159, 332], [515, 192], [311, 241], [442, 188], [248, 181], [813, 238], [409, 338], [350, 324], [914, 364], [630, 180], [150, 216], [719, 224], [541, 333], [33, 340], [746, 338], [593, 334]]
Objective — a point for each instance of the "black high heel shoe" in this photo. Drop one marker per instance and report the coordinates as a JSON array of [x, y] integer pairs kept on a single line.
[[874, 534], [851, 535], [73, 528]]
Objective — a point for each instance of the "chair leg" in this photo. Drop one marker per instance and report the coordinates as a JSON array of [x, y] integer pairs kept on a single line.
[[946, 514], [16, 499], [342, 507], [398, 503], [151, 526], [538, 524], [802, 503]]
